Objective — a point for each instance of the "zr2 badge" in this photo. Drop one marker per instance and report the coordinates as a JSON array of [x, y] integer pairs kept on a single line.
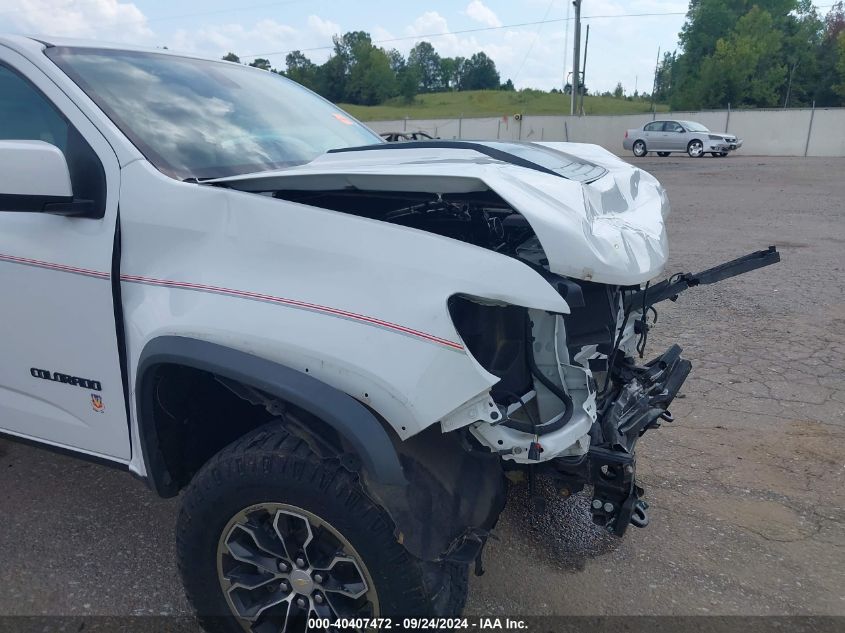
[[97, 403]]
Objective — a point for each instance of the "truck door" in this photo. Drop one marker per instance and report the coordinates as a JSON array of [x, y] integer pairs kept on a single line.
[[60, 376]]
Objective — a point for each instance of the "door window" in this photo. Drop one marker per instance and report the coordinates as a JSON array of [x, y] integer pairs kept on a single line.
[[27, 115], [656, 126], [671, 126]]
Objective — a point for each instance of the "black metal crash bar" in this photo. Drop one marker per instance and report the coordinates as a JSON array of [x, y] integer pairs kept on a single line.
[[672, 287]]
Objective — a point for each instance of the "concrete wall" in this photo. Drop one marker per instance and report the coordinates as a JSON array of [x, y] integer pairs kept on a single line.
[[764, 132]]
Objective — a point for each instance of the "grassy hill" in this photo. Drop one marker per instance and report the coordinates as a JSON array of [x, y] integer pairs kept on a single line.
[[478, 103]]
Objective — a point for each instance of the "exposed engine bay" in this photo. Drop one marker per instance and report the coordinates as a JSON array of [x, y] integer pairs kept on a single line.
[[480, 218], [572, 395]]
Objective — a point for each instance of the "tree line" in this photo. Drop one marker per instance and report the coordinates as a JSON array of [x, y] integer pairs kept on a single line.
[[362, 73], [755, 53], [747, 53]]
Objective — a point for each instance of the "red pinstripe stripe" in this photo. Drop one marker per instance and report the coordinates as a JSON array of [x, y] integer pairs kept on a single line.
[[294, 303], [61, 267], [235, 293]]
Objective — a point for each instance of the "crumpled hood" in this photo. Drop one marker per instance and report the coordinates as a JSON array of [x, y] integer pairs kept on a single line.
[[597, 217]]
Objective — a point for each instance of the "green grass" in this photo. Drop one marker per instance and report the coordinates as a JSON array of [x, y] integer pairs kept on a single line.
[[480, 103]]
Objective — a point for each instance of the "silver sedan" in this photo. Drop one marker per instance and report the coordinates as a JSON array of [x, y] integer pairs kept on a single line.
[[665, 137]]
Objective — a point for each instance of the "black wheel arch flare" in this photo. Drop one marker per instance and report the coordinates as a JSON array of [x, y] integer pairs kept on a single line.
[[440, 510], [351, 419]]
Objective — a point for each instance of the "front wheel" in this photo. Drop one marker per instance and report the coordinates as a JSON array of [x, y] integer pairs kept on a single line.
[[695, 148], [270, 536], [723, 154], [639, 149]]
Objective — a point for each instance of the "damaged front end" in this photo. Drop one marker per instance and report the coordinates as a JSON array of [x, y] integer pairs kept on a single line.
[[563, 375], [637, 399], [551, 248]]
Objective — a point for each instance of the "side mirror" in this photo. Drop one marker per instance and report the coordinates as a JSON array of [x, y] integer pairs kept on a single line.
[[34, 177]]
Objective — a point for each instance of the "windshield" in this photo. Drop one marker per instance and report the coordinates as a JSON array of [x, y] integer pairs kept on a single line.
[[692, 126], [203, 119]]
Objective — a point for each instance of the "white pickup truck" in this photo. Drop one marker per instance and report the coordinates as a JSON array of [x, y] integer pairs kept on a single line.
[[333, 347]]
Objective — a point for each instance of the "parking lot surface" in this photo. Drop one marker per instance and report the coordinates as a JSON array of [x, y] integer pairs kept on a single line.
[[746, 487]]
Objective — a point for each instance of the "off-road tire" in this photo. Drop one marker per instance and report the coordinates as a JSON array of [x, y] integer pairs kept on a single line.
[[270, 465], [639, 148]]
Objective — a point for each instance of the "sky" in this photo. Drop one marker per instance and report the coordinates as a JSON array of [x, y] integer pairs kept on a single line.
[[622, 47]]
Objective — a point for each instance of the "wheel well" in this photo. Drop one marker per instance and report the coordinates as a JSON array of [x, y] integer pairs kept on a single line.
[[196, 413], [452, 498], [195, 397], [202, 371]]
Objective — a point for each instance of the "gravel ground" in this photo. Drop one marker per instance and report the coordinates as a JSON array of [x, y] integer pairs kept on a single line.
[[747, 487]]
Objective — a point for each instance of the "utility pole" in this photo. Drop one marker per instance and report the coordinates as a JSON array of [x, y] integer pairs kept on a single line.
[[584, 71], [789, 85], [654, 84], [576, 57]]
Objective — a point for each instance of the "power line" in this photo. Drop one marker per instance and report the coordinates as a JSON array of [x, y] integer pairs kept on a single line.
[[83, 3], [534, 41], [278, 3], [478, 30], [491, 28], [145, 20]]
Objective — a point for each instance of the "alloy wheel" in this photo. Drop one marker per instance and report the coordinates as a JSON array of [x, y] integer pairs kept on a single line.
[[280, 565], [695, 149]]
